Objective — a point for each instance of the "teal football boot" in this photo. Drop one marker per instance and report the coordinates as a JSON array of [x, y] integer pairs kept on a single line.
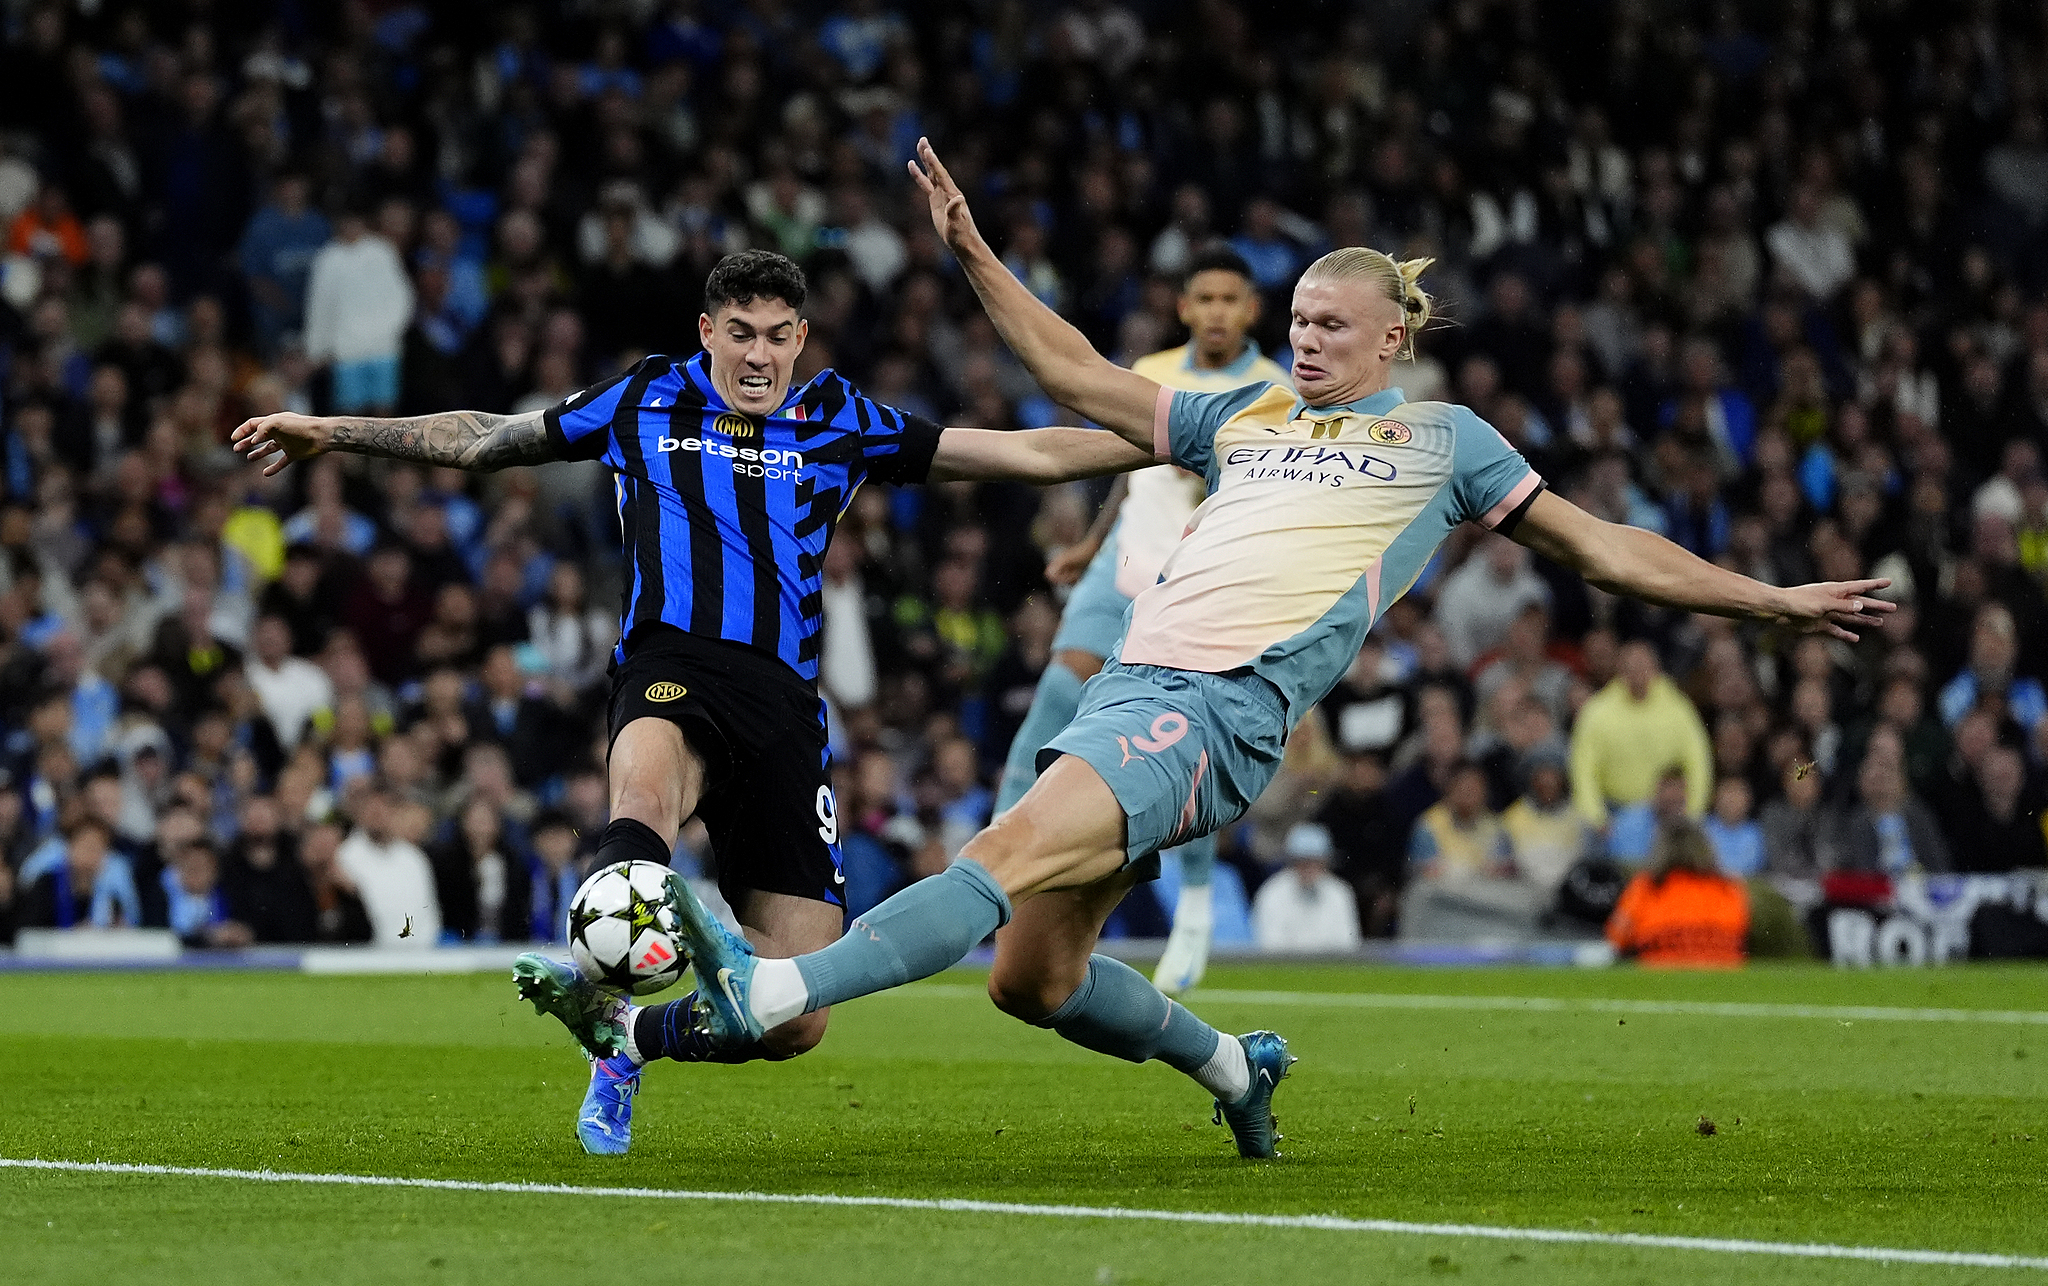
[[725, 969], [594, 1016], [1251, 1119]]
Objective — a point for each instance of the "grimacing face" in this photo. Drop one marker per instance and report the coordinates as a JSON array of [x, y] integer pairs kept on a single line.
[[753, 348], [1345, 334]]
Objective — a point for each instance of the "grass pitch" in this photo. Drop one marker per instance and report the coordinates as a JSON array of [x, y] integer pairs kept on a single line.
[[1848, 1130]]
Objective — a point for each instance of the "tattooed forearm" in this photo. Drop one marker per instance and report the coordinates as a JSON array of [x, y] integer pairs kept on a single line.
[[474, 440]]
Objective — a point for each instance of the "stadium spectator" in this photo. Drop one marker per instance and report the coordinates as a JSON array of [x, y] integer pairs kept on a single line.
[[1990, 678], [1999, 831], [358, 302], [1889, 829], [265, 885], [1799, 834], [1682, 912], [197, 908], [1523, 656], [1733, 830], [1630, 732], [1480, 602], [554, 877], [482, 883], [526, 725], [387, 612], [340, 916], [1304, 907], [574, 638], [293, 690], [1368, 851], [85, 885], [389, 874], [1546, 835], [276, 256], [1459, 839]]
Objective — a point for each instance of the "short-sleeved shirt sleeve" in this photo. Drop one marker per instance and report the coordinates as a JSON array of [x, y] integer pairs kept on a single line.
[[1491, 482], [1185, 431], [896, 447], [580, 427]]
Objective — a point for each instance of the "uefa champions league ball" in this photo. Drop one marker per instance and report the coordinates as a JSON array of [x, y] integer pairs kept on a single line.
[[621, 930]]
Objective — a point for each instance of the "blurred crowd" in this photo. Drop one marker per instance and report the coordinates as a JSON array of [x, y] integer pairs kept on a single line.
[[1768, 278]]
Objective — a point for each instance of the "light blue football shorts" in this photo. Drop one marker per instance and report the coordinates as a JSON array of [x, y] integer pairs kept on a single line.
[[1093, 621], [1185, 752]]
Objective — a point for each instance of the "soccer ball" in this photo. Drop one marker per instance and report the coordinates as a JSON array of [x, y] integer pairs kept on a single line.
[[621, 930]]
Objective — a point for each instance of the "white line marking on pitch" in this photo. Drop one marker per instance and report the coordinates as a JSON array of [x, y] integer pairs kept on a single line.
[[1553, 1004], [1316, 1223]]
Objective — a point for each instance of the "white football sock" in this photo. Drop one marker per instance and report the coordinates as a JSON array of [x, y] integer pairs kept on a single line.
[[630, 1018], [1226, 1075], [777, 993], [1195, 906]]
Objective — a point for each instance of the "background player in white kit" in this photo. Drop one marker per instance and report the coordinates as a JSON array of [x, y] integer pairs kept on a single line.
[[1122, 556]]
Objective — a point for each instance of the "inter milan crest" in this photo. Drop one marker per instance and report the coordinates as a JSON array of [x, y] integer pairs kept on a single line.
[[735, 425]]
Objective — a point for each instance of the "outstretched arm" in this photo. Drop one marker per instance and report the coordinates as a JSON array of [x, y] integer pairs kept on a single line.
[[1038, 456], [474, 440], [1642, 564], [1059, 357]]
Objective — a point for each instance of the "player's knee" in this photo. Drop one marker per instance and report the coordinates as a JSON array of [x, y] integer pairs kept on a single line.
[[797, 1036], [1029, 999]]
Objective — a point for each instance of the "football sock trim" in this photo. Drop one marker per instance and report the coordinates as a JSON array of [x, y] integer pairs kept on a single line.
[[1228, 1073], [670, 1031], [777, 993], [632, 1024], [628, 839]]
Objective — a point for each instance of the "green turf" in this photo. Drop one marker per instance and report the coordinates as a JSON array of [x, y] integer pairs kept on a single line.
[[1927, 1135]]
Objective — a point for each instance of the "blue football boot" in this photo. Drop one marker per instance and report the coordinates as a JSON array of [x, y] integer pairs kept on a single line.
[[604, 1124], [725, 969], [1251, 1119], [594, 1016]]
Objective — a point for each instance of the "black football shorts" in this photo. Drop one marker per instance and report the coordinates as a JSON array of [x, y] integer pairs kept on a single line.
[[760, 730]]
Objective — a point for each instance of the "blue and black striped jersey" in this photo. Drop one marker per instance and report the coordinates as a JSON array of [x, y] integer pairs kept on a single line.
[[726, 516]]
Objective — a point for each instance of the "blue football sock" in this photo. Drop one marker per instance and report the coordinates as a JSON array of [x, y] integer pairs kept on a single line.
[[930, 926], [1116, 1012], [1197, 862], [670, 1031], [1052, 709]]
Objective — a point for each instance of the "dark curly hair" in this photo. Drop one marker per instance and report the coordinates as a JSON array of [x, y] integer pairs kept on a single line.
[[754, 274], [1216, 258]]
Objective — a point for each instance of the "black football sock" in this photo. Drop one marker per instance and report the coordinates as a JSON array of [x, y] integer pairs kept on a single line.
[[628, 840], [670, 1031]]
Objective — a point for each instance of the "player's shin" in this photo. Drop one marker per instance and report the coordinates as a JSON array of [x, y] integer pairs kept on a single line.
[[1052, 708], [927, 927], [1116, 1012]]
